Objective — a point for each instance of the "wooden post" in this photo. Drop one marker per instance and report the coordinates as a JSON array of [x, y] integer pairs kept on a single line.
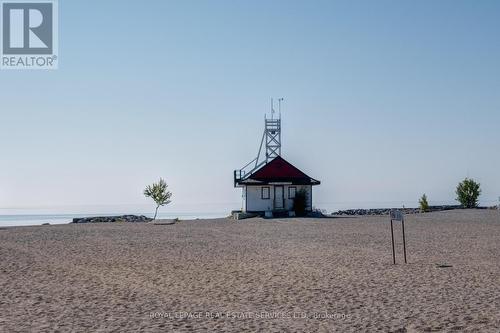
[[404, 239], [393, 252]]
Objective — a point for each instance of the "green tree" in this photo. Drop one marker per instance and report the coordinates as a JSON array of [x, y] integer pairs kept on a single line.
[[159, 193], [468, 192], [424, 205]]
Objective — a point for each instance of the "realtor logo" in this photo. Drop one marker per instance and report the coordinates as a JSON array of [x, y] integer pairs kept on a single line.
[[29, 34]]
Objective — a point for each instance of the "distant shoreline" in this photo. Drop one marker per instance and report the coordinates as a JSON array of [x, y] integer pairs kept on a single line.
[[18, 220]]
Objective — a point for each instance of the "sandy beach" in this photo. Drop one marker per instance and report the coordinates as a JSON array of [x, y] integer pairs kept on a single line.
[[281, 275]]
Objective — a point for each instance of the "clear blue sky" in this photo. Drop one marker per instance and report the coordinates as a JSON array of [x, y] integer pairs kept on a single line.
[[384, 100]]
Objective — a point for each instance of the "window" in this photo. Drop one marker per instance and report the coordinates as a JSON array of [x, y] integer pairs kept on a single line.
[[265, 193], [291, 192]]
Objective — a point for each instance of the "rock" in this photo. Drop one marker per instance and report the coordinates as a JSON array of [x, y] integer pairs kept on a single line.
[[45, 223], [314, 214], [109, 219], [386, 211]]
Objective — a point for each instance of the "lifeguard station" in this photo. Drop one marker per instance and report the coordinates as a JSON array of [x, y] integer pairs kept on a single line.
[[269, 182]]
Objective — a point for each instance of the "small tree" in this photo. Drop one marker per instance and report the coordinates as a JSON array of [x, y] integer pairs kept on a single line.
[[300, 202], [468, 193], [159, 193], [424, 205]]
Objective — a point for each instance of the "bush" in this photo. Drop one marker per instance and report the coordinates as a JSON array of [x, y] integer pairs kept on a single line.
[[159, 193], [300, 202], [468, 193], [424, 205]]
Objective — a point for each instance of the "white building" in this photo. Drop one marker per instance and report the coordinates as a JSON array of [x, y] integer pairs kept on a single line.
[[272, 187], [269, 183]]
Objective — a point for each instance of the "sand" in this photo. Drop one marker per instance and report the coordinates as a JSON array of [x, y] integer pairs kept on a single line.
[[283, 275]]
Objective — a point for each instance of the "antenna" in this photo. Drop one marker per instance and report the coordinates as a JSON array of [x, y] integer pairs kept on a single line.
[[279, 105], [272, 108]]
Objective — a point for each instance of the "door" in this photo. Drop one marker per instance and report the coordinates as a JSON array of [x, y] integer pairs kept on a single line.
[[279, 198]]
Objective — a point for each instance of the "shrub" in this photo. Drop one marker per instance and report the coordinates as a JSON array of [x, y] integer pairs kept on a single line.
[[424, 205], [468, 192], [300, 202], [159, 193]]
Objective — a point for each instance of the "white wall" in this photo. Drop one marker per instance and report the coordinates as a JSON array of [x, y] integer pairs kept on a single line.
[[253, 201]]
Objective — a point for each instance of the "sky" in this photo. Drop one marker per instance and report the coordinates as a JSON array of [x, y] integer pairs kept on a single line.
[[384, 101]]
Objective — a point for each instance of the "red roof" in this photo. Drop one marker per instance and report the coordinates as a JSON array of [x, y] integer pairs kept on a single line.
[[279, 170]]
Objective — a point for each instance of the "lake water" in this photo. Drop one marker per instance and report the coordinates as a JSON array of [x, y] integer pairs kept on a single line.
[[63, 215], [27, 220]]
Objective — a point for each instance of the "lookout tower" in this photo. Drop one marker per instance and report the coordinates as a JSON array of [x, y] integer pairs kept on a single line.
[[270, 144], [272, 133]]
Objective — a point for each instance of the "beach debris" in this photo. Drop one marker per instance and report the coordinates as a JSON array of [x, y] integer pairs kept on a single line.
[[444, 265], [164, 222], [46, 223], [107, 219]]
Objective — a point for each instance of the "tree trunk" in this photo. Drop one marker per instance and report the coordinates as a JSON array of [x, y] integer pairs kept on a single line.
[[156, 212]]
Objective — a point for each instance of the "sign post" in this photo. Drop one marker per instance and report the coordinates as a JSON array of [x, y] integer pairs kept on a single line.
[[397, 216]]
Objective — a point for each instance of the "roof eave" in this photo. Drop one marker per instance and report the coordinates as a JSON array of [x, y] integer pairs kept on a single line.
[[249, 182]]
